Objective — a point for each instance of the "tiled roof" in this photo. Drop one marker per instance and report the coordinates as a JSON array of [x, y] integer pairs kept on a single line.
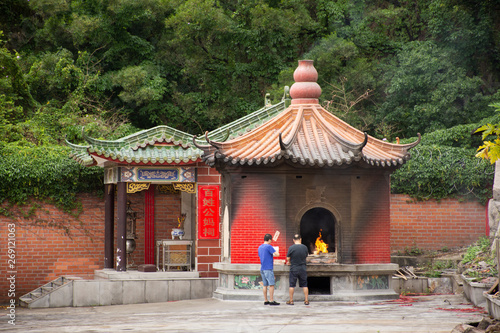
[[163, 144], [306, 135]]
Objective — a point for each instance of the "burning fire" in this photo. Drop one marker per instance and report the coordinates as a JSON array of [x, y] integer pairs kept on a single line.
[[321, 247]]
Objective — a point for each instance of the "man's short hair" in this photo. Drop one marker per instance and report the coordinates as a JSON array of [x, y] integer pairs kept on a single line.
[[296, 237], [267, 237]]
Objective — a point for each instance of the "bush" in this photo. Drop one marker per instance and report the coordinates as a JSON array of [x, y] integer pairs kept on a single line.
[[44, 173]]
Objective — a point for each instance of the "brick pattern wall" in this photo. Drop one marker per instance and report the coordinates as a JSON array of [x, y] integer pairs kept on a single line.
[[45, 251], [53, 243], [257, 209], [371, 219], [432, 225], [208, 251]]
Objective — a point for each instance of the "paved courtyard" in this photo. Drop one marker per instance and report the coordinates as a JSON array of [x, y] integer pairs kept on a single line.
[[437, 313]]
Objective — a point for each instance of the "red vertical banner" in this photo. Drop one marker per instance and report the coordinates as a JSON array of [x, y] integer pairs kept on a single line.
[[208, 211]]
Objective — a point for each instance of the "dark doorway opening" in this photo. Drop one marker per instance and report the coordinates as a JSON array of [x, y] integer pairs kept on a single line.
[[319, 285], [315, 221]]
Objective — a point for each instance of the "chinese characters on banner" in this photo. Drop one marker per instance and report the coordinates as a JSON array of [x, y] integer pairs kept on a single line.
[[208, 212]]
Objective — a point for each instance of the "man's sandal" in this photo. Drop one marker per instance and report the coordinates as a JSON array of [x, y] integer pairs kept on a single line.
[[289, 302], [306, 302]]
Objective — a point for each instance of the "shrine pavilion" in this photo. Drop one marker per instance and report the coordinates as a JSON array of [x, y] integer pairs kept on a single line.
[[287, 168]]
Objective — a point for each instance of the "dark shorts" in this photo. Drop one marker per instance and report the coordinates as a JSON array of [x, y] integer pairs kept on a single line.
[[301, 274]]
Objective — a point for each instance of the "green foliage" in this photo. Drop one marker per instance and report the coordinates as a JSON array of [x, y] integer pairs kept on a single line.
[[435, 268], [490, 149], [440, 172], [44, 173], [413, 251], [114, 67], [13, 87], [427, 91], [479, 262], [482, 245]]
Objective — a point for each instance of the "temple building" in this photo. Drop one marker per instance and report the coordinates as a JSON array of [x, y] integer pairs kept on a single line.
[[287, 168]]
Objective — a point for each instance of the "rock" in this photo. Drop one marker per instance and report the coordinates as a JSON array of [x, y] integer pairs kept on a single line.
[[493, 216], [493, 328], [465, 328], [485, 322]]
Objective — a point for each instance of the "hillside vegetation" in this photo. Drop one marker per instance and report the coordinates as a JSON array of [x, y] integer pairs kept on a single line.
[[390, 68]]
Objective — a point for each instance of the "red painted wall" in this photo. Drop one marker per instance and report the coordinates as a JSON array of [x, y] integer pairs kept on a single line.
[[257, 209]]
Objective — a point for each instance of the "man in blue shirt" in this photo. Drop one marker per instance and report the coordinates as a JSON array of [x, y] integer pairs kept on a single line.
[[266, 254]]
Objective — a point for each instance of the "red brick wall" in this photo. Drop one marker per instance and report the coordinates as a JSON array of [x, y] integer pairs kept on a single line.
[[46, 250], [432, 225], [371, 219], [257, 209], [208, 251]]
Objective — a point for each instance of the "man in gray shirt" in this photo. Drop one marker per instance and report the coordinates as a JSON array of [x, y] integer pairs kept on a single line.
[[296, 258]]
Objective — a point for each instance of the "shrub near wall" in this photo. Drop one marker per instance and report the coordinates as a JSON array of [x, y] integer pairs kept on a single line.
[[434, 225], [52, 243]]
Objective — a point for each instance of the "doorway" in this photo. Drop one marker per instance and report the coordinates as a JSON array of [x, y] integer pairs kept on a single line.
[[318, 223]]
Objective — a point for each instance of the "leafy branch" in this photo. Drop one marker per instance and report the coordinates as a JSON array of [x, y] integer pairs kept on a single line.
[[490, 149]]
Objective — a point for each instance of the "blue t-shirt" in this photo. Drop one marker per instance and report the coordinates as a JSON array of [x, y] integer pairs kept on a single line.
[[266, 256]]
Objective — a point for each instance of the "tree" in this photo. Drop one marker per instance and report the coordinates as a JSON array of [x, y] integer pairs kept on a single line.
[[427, 90], [490, 149]]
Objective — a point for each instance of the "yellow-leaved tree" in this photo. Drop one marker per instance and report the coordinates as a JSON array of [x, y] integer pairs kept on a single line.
[[490, 149]]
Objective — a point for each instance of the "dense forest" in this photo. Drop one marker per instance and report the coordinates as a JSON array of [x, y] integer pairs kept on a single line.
[[391, 68]]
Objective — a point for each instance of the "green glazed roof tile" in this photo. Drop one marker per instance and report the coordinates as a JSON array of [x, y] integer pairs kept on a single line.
[[164, 144]]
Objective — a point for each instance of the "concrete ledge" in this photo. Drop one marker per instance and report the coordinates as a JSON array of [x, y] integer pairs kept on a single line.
[[281, 296], [474, 291], [79, 293], [111, 274], [311, 269], [86, 293], [332, 282], [492, 305]]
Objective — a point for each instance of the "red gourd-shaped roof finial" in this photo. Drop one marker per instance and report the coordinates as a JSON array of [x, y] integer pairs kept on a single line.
[[305, 90]]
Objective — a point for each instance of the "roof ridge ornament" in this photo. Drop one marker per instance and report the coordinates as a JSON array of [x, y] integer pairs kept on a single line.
[[293, 133], [305, 90], [197, 145]]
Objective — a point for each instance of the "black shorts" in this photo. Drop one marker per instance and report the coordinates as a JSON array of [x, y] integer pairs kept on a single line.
[[302, 275]]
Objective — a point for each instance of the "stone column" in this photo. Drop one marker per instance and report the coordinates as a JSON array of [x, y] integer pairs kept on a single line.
[[121, 222], [109, 225]]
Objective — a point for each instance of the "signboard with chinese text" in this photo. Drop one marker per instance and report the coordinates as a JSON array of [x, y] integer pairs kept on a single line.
[[208, 211], [156, 174]]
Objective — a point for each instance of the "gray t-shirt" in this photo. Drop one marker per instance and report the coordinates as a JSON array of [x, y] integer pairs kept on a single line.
[[297, 254]]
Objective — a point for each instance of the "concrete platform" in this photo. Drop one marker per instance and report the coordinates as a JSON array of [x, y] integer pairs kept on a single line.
[[436, 314], [339, 282], [131, 287], [113, 275]]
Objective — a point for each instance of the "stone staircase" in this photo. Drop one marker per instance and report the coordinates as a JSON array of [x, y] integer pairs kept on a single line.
[[110, 287], [41, 297]]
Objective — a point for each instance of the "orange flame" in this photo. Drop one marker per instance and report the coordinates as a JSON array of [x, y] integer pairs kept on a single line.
[[321, 247]]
